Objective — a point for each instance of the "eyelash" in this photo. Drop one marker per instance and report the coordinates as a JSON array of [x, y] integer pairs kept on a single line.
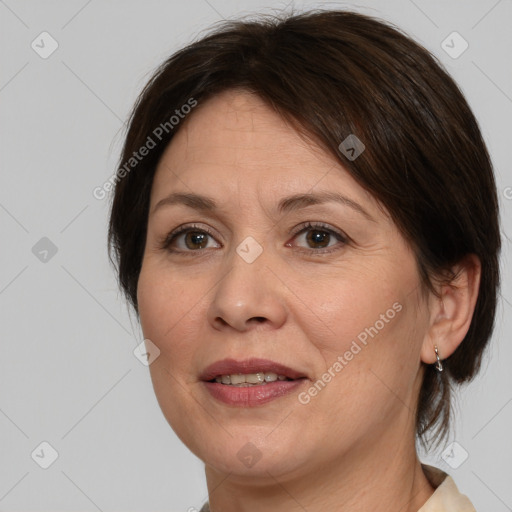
[[166, 242]]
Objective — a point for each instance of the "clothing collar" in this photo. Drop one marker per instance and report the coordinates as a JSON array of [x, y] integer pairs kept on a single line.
[[446, 497]]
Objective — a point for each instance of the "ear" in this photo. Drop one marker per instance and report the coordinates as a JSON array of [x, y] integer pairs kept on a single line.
[[452, 311]]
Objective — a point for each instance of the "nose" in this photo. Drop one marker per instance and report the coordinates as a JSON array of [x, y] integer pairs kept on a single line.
[[247, 296]]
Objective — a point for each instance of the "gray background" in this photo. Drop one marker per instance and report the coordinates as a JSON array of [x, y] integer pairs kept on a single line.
[[68, 375]]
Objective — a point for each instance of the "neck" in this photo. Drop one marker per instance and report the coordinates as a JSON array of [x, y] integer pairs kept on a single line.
[[385, 476]]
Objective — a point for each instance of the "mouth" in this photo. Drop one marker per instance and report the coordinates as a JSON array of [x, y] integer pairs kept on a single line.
[[249, 379], [250, 382], [253, 371]]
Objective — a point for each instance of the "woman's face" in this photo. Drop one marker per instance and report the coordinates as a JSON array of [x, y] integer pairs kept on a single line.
[[274, 268]]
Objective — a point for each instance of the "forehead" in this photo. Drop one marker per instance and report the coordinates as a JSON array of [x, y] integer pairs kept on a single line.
[[238, 124], [237, 145]]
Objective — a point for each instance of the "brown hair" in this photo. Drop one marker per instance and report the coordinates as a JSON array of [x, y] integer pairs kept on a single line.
[[335, 73]]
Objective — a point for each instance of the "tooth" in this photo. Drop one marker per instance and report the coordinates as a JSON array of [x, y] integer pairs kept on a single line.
[[255, 378], [237, 378], [250, 379]]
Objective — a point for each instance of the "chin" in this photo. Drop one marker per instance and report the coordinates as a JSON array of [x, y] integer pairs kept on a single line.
[[267, 467], [258, 456]]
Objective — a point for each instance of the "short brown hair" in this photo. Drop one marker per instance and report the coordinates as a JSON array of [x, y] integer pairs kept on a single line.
[[335, 73]]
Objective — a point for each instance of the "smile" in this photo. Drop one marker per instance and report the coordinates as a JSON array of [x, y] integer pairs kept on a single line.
[[251, 382], [250, 379]]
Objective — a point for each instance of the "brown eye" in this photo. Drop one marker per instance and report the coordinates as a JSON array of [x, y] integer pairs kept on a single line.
[[187, 240], [196, 240], [318, 238]]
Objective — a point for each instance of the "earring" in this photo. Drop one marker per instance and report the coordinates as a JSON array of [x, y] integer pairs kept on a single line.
[[439, 365]]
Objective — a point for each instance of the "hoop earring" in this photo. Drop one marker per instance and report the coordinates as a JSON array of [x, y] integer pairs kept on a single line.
[[439, 365]]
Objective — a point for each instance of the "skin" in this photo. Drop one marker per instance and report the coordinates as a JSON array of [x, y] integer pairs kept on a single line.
[[351, 448]]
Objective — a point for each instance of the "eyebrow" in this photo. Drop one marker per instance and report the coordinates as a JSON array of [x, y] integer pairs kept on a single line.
[[287, 204]]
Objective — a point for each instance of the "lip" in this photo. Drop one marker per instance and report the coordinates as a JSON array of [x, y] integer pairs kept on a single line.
[[251, 396], [253, 365]]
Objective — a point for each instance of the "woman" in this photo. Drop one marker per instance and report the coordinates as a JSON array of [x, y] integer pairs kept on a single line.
[[305, 221]]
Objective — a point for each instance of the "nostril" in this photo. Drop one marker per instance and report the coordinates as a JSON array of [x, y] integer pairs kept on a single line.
[[222, 323]]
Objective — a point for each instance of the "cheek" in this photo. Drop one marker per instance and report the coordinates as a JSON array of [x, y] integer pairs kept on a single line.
[[357, 304], [167, 308], [369, 369], [366, 325]]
